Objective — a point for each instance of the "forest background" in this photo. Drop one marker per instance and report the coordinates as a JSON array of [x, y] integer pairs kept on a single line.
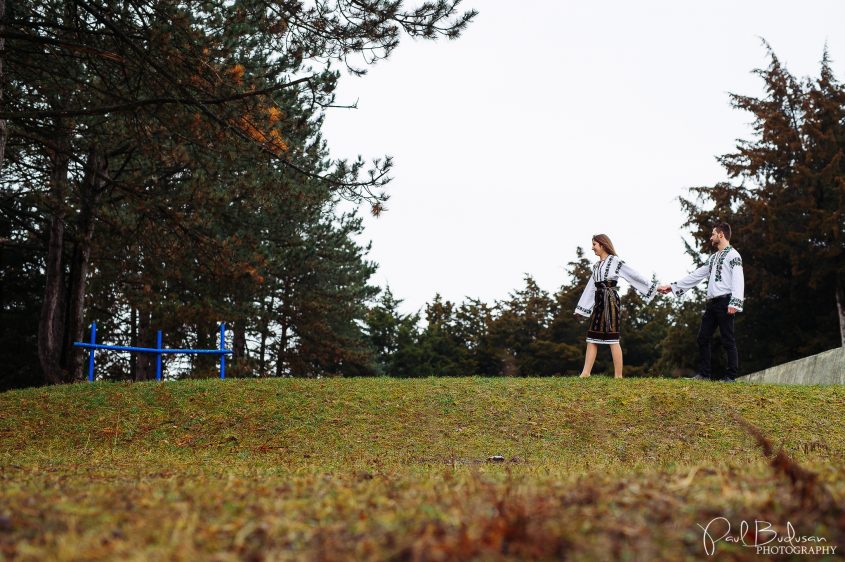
[[163, 167]]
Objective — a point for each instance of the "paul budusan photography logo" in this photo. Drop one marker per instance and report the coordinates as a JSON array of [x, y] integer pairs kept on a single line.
[[764, 538]]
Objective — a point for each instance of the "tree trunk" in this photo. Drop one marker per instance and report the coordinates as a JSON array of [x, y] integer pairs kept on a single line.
[[96, 170], [238, 341], [265, 323], [143, 365], [3, 131], [50, 324], [282, 352], [284, 321], [133, 340], [203, 365], [840, 304]]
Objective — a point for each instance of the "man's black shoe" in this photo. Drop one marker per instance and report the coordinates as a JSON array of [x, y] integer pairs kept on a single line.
[[698, 378]]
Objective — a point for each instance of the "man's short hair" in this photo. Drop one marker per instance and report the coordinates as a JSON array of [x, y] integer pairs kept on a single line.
[[724, 228]]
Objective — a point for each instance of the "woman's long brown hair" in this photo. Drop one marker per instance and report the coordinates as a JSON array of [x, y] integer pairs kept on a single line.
[[605, 243]]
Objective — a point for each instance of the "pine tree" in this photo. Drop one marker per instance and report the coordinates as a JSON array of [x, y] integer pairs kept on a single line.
[[473, 322], [140, 112], [442, 351], [785, 213]]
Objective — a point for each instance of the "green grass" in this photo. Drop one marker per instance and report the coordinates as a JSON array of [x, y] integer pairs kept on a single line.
[[340, 469]]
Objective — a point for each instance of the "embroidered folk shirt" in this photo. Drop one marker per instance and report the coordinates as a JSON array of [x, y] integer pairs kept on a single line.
[[611, 269], [724, 275]]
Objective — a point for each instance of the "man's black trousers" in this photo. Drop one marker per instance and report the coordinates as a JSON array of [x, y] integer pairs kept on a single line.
[[716, 315]]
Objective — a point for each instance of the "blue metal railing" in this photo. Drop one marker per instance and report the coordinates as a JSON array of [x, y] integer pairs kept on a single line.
[[92, 346]]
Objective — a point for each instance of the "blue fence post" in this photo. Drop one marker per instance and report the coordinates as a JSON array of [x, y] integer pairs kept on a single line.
[[158, 356], [91, 352], [222, 347]]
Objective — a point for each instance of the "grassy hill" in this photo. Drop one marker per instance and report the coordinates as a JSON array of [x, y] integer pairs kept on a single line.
[[341, 469]]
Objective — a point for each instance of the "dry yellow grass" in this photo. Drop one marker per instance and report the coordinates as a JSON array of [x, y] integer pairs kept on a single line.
[[390, 469]]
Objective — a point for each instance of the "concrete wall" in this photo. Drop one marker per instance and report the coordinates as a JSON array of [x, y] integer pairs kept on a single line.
[[824, 368]]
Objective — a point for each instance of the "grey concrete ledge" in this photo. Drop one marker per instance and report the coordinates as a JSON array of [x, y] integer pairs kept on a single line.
[[825, 368]]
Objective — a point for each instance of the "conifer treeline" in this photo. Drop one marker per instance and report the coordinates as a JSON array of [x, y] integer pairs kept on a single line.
[[122, 206]]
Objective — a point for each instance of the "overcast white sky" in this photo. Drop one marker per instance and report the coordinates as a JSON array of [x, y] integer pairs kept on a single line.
[[548, 122]]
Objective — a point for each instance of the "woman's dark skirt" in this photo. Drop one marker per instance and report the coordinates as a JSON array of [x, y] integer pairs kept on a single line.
[[604, 321]]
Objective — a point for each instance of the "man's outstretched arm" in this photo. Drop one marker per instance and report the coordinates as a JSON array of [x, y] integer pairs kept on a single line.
[[678, 288]]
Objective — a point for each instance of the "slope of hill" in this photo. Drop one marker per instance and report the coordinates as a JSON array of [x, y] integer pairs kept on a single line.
[[414, 469]]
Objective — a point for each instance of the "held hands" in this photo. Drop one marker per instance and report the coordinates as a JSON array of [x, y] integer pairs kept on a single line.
[[731, 310]]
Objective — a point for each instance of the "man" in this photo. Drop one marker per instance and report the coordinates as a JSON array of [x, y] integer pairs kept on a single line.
[[725, 293]]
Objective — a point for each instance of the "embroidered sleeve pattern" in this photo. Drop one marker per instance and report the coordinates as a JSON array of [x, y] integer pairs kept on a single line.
[[651, 292], [644, 286], [607, 268], [722, 255], [587, 301], [737, 283]]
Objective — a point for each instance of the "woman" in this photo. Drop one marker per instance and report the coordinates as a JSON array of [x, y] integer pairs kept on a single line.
[[600, 302]]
